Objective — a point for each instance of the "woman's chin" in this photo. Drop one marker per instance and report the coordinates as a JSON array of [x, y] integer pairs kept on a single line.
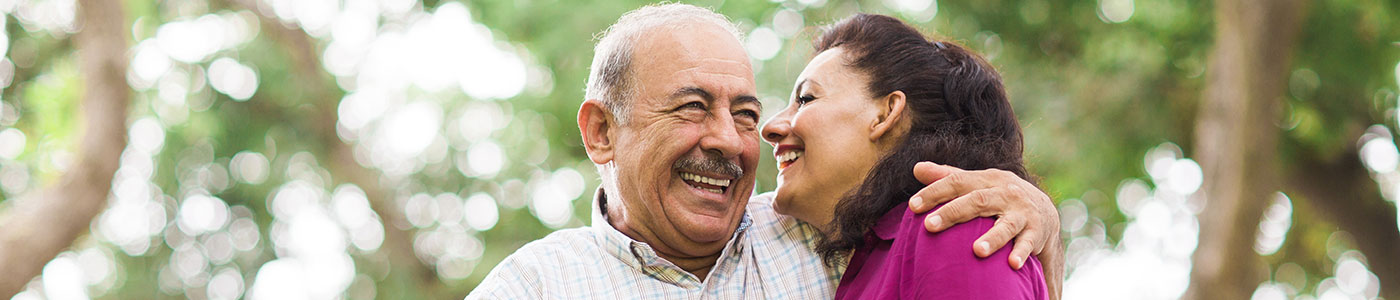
[[788, 200], [804, 204], [782, 200]]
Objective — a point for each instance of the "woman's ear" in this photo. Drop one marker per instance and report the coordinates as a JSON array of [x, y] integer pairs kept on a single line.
[[890, 115], [595, 124]]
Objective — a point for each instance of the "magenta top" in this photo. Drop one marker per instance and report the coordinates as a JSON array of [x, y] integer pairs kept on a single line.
[[904, 261]]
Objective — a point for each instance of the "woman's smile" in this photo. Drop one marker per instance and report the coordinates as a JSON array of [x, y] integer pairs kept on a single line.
[[787, 155]]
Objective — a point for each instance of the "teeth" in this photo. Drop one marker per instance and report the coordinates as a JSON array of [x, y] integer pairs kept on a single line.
[[706, 180], [789, 156]]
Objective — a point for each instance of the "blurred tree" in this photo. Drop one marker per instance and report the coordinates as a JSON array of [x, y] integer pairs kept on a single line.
[[38, 228], [400, 149], [1247, 83], [339, 156], [1236, 140]]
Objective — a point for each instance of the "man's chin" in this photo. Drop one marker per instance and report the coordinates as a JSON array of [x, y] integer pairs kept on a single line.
[[707, 229]]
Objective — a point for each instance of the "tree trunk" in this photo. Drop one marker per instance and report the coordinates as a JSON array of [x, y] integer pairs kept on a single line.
[[1236, 140], [38, 227]]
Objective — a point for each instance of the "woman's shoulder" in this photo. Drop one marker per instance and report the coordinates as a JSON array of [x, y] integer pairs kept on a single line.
[[921, 251], [901, 223]]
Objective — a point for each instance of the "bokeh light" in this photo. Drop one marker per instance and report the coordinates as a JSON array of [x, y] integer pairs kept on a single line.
[[232, 78], [1379, 153], [787, 22], [249, 167], [918, 10], [763, 43], [1116, 11], [485, 159], [317, 149], [63, 279], [1273, 229], [1153, 259], [202, 213], [481, 213], [12, 143]]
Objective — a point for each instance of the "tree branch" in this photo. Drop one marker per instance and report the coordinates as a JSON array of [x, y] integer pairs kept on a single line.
[[39, 227]]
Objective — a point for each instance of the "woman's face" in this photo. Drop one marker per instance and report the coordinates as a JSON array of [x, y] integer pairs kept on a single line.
[[823, 139]]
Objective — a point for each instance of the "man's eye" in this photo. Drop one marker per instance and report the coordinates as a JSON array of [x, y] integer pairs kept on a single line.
[[752, 115], [695, 105]]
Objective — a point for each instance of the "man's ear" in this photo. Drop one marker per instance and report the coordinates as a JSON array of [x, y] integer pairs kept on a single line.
[[888, 118], [595, 125]]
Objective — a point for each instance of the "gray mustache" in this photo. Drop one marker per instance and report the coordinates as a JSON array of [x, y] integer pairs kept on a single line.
[[709, 164]]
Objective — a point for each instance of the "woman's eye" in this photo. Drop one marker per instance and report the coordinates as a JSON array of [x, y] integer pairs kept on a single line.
[[805, 98]]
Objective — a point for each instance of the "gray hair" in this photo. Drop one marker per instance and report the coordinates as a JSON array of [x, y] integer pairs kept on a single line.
[[610, 78]]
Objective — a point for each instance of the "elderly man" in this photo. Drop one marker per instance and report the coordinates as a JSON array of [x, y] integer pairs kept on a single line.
[[671, 120]]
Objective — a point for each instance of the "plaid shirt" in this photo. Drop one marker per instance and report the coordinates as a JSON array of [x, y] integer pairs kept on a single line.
[[769, 257]]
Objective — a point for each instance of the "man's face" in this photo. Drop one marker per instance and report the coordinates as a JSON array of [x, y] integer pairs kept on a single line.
[[686, 158]]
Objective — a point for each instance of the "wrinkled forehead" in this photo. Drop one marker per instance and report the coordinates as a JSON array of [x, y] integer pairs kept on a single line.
[[692, 54]]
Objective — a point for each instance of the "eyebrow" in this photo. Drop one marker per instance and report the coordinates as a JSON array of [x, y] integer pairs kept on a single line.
[[747, 99], [797, 90], [702, 93], [692, 91]]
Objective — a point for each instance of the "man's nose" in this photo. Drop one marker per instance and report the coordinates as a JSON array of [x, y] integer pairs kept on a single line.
[[722, 136]]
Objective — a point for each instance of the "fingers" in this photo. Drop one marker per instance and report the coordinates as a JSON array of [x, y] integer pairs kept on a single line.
[[928, 172], [934, 194], [1023, 249], [961, 209], [1038, 234], [1005, 229], [946, 187]]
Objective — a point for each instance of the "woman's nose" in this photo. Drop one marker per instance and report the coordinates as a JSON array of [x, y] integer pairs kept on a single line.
[[777, 128]]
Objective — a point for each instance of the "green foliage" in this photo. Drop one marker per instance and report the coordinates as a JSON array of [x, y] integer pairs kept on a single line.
[[54, 99], [1093, 97]]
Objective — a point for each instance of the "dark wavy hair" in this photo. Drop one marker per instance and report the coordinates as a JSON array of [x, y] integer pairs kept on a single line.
[[957, 105]]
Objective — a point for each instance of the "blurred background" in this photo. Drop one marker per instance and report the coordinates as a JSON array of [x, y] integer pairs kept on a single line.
[[398, 149]]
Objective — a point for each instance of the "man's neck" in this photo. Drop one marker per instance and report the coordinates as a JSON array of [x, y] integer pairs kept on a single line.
[[700, 266]]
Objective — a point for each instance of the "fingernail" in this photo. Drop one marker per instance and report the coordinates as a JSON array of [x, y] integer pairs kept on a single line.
[[935, 222], [1017, 262], [985, 247], [916, 201]]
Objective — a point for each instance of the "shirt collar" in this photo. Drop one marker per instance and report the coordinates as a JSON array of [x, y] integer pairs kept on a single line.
[[889, 225], [639, 255]]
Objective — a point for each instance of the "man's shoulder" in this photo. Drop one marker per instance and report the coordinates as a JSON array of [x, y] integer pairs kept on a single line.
[[773, 230], [525, 273], [576, 242], [767, 223], [764, 216], [560, 248], [761, 203], [782, 247]]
